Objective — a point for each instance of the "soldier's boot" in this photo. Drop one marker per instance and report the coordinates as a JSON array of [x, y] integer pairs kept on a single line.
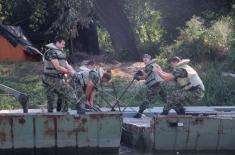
[[59, 104], [142, 107], [23, 99], [180, 111], [164, 112], [138, 114], [50, 110], [58, 108], [80, 110]]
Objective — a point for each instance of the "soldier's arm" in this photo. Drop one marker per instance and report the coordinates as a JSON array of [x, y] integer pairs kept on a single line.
[[70, 68], [58, 67], [166, 76]]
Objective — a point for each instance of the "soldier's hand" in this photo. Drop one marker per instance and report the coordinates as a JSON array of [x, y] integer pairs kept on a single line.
[[137, 75], [72, 72]]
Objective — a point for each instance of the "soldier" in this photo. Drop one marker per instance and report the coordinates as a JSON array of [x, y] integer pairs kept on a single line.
[[188, 87], [88, 80], [55, 67], [152, 82]]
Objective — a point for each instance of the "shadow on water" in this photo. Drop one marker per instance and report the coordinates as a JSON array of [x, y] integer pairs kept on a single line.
[[123, 150], [129, 151]]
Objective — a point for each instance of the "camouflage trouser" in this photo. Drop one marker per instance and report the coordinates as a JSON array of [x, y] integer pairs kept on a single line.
[[176, 97], [151, 94], [55, 86]]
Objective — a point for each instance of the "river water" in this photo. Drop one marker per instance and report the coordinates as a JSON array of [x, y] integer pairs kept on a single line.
[[128, 151]]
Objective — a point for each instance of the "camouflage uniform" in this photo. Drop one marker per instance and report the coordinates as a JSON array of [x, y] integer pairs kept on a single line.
[[175, 96], [79, 82], [153, 86], [95, 78], [54, 83]]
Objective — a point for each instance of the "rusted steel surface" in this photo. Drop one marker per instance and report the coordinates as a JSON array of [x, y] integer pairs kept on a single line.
[[226, 139], [22, 131], [200, 133], [166, 137], [5, 135], [55, 131]]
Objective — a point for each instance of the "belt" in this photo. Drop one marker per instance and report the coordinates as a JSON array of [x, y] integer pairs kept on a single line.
[[59, 76]]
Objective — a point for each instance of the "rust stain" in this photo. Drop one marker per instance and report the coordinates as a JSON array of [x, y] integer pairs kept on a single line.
[[95, 116], [80, 129], [50, 131], [102, 115], [77, 130], [21, 120], [2, 137]]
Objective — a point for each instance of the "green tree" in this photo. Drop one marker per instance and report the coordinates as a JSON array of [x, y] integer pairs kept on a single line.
[[146, 22], [6, 10], [70, 14]]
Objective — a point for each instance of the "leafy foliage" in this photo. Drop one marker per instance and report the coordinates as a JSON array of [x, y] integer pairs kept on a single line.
[[198, 42], [70, 14], [104, 39], [39, 14], [23, 80], [6, 9], [145, 21], [209, 36], [220, 90]]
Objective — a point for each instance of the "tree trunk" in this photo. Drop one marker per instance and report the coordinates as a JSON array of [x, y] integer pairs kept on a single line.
[[112, 17], [87, 40]]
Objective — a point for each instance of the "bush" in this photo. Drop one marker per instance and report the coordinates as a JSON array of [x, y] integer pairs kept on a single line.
[[25, 78], [218, 38], [220, 90], [193, 31], [199, 43]]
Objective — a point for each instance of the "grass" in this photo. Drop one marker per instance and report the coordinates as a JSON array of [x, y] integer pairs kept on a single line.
[[26, 77]]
